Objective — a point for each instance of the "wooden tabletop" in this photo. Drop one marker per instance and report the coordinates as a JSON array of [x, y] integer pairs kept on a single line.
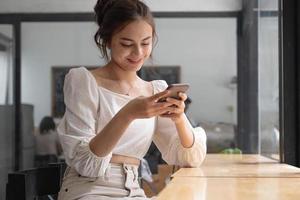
[[187, 188], [241, 177], [222, 165]]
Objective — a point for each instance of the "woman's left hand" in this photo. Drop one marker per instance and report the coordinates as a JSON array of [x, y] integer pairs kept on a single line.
[[177, 110]]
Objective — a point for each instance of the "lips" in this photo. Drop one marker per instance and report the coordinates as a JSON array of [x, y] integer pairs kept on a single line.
[[134, 61]]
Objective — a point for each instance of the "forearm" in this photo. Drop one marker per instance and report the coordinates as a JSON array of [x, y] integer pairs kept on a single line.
[[142, 107], [104, 142], [184, 132]]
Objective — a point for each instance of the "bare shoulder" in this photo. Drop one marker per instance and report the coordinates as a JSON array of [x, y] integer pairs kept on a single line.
[[98, 71], [99, 74]]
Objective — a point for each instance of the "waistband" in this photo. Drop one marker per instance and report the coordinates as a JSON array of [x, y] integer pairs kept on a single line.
[[120, 159]]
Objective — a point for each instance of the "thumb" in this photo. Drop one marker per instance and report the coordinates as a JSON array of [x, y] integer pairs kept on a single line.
[[159, 95]]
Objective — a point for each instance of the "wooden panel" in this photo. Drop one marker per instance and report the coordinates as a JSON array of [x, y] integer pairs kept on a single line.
[[189, 188], [239, 166], [262, 170], [236, 159]]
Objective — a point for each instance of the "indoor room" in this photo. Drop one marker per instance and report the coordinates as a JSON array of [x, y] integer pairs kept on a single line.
[[234, 124]]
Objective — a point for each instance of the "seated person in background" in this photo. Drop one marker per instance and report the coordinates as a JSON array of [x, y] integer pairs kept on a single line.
[[47, 143]]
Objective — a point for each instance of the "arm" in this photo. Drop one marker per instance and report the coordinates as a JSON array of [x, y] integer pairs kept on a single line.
[[104, 142], [177, 116], [186, 136], [178, 141], [168, 141], [78, 126]]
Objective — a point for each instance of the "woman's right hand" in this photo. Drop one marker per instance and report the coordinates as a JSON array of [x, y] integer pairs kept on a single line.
[[147, 107]]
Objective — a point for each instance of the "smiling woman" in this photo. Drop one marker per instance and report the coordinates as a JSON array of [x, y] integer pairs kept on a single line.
[[131, 46], [114, 22], [112, 115]]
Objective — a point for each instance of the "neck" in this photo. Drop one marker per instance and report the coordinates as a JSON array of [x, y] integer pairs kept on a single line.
[[121, 75]]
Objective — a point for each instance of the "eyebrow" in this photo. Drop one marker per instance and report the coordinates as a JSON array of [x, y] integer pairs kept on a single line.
[[128, 39]]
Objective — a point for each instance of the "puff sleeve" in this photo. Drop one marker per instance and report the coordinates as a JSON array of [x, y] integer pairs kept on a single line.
[[168, 142], [79, 123]]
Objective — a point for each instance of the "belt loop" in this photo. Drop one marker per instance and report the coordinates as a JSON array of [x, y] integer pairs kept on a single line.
[[107, 172], [136, 173], [125, 167]]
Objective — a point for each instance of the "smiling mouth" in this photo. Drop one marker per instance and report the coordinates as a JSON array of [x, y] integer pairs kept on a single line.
[[134, 61]]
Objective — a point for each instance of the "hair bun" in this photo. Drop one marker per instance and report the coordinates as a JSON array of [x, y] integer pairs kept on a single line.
[[112, 15], [101, 8]]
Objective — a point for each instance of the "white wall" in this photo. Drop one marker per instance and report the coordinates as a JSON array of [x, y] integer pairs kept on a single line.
[[52, 44], [8, 6], [3, 76], [206, 51], [194, 5], [5, 65], [205, 48]]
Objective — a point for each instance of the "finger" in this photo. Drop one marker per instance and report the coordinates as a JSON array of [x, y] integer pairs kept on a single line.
[[167, 115], [172, 109], [163, 111], [176, 110], [159, 95], [179, 105], [159, 108], [161, 105], [182, 96], [174, 101]]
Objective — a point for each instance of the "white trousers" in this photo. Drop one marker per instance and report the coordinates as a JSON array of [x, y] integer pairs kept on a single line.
[[119, 182]]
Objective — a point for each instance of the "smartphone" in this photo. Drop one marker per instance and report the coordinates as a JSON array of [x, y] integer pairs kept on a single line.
[[175, 89]]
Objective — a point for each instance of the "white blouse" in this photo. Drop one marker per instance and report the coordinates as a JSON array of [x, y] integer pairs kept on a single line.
[[89, 107]]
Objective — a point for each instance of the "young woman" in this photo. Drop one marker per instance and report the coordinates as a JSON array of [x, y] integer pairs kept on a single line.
[[112, 115]]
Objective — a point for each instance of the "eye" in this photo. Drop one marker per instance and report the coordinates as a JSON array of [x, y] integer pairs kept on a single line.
[[145, 44], [126, 45]]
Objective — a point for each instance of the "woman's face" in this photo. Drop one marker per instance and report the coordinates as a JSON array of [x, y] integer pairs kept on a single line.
[[131, 46]]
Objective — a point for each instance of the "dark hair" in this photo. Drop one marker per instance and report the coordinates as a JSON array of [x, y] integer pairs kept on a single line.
[[113, 15], [187, 102], [46, 125]]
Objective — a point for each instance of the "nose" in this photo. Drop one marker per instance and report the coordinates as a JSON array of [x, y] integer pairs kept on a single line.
[[138, 50]]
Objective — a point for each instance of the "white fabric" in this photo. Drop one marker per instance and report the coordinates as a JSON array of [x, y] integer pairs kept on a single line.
[[90, 107], [120, 182]]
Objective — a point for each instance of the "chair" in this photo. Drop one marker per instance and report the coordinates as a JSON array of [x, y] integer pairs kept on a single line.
[[44, 160], [35, 184]]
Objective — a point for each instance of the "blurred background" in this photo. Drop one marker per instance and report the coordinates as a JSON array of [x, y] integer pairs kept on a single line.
[[228, 51]]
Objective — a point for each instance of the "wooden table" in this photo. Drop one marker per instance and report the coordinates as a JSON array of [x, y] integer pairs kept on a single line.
[[222, 165], [188, 188], [231, 177]]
